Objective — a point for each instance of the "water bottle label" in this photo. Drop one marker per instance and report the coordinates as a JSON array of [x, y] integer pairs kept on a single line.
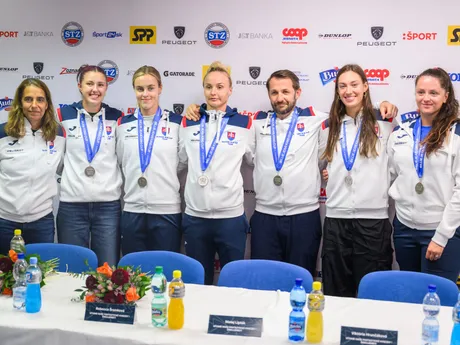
[[176, 291], [430, 334], [296, 324], [158, 312], [297, 304]]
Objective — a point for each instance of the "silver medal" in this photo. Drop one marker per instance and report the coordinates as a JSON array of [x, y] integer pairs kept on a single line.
[[142, 182], [90, 171], [419, 188], [203, 180], [277, 180], [348, 180]]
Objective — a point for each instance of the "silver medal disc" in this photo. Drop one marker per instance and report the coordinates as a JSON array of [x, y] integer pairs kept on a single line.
[[203, 180], [419, 188], [348, 180], [90, 171], [142, 182], [277, 180]]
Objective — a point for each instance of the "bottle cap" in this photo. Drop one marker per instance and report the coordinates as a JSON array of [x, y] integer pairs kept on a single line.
[[177, 274], [298, 281], [17, 232], [316, 285], [21, 256], [159, 269], [33, 260], [432, 288]]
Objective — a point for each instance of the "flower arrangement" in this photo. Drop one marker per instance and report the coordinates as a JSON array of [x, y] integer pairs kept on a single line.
[[6, 270], [122, 285]]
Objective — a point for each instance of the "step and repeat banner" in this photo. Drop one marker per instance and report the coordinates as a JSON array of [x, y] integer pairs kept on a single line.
[[392, 40]]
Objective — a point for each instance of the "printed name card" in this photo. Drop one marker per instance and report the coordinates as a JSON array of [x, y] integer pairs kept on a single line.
[[114, 313], [235, 325], [367, 336]]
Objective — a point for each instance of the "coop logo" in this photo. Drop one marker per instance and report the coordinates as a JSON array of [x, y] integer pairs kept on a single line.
[[255, 36], [38, 34], [377, 76], [179, 32], [419, 36], [178, 108], [108, 34], [294, 35], [38, 69], [9, 69], [328, 75], [72, 34], [453, 35], [8, 34], [254, 73], [216, 35], [328, 36], [377, 33], [408, 76], [178, 74], [142, 35], [454, 76], [65, 70], [111, 70], [6, 103]]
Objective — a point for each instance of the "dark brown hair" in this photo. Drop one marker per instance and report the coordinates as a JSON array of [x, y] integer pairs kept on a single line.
[[284, 74], [448, 114], [89, 68], [368, 136], [15, 125]]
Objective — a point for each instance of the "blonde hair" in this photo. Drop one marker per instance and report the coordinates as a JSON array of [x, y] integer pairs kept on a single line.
[[217, 66], [147, 70]]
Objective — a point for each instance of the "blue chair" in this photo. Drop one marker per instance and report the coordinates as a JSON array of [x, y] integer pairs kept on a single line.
[[263, 275], [192, 270], [404, 286], [71, 258]]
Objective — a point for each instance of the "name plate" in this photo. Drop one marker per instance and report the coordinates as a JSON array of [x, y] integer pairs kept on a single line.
[[114, 313], [367, 336], [235, 325]]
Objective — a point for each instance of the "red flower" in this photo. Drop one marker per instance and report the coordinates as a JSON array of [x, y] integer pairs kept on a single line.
[[110, 297], [120, 276], [6, 265], [91, 282]]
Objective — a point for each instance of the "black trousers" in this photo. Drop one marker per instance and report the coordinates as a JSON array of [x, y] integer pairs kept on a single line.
[[353, 248]]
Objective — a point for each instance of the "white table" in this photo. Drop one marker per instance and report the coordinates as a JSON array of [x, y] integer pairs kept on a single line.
[[61, 321]]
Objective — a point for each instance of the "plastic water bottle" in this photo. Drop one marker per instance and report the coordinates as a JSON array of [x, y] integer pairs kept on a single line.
[[430, 326], [297, 316], [19, 287], [176, 302], [315, 317], [17, 242], [159, 303], [33, 294], [455, 339]]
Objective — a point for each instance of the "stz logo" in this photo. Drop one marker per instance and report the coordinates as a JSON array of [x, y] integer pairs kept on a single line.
[[72, 34], [111, 70], [254, 72], [143, 34], [178, 108], [453, 35], [179, 31], [38, 67]]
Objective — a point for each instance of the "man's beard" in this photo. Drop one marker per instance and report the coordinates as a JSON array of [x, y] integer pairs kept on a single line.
[[288, 110]]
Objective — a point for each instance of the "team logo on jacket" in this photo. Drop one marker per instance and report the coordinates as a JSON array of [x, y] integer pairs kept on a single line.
[[231, 139], [38, 67], [108, 130], [216, 35], [178, 108], [300, 127], [179, 31], [231, 136], [111, 70], [72, 34], [51, 147], [165, 131]]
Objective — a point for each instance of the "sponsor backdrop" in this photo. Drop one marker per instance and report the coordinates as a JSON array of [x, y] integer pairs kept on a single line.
[[392, 40]]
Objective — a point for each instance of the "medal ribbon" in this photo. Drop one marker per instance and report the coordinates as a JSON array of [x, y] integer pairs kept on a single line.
[[205, 158], [91, 151], [146, 155], [349, 160], [279, 159], [418, 152]]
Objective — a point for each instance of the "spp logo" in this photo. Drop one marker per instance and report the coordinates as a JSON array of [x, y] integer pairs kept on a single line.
[[142, 35], [453, 35], [294, 36], [420, 36], [72, 34], [377, 76], [111, 70], [9, 34], [216, 35], [328, 75], [6, 103]]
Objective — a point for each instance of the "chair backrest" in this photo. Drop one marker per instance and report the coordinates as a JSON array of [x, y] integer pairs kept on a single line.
[[192, 270], [71, 258], [404, 286], [263, 275]]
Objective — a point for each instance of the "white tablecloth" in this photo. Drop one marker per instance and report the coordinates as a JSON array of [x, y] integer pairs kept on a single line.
[[61, 321]]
